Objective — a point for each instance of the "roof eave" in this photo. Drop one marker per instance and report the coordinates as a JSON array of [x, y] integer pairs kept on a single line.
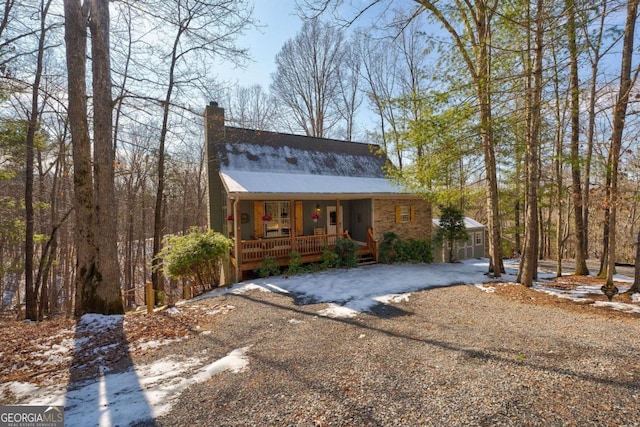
[[319, 196]]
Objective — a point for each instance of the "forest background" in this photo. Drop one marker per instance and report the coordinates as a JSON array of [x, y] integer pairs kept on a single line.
[[524, 115]]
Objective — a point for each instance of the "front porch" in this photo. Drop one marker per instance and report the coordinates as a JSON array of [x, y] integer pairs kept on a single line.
[[250, 254]]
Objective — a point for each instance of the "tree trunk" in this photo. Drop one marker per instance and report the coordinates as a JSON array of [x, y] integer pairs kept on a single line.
[[619, 114], [578, 218], [76, 44], [31, 294], [108, 297], [591, 126], [483, 87], [559, 196], [159, 218], [605, 223], [636, 277], [529, 262]]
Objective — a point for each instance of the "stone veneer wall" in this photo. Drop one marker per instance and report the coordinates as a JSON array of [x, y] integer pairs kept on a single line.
[[384, 219]]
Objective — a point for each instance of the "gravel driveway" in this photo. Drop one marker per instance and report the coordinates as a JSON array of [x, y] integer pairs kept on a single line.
[[447, 356]]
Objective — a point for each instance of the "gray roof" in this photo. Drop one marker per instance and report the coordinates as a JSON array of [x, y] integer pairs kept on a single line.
[[469, 223], [252, 150], [274, 163]]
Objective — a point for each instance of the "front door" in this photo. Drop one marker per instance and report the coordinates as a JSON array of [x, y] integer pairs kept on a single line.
[[332, 220]]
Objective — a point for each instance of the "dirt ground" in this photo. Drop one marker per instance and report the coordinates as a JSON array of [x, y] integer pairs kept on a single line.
[[530, 296]]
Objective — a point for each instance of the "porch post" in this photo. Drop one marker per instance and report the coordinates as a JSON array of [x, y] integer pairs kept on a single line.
[[237, 235], [292, 225], [340, 226]]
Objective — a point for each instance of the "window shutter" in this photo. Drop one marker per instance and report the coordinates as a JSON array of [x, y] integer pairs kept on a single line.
[[258, 226], [413, 213], [299, 215], [398, 214]]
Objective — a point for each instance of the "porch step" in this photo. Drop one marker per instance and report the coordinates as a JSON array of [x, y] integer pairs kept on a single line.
[[365, 258]]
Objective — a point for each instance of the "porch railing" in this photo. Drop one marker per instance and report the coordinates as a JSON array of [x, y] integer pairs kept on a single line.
[[281, 247], [372, 243]]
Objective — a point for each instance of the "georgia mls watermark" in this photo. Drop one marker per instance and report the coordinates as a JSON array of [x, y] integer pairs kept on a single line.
[[31, 416]]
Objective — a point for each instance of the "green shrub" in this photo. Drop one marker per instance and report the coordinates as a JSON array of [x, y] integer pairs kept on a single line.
[[392, 249], [195, 255], [451, 230], [347, 252], [387, 250], [268, 267], [161, 297], [414, 250], [295, 264], [329, 259]]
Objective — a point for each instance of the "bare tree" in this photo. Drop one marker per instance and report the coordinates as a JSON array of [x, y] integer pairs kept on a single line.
[[469, 24], [306, 80], [251, 107], [619, 115], [349, 89], [636, 277], [104, 161], [76, 44], [578, 218], [596, 53], [31, 293], [97, 282], [380, 66], [192, 30]]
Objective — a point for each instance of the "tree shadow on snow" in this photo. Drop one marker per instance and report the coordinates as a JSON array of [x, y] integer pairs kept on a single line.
[[384, 310], [103, 387]]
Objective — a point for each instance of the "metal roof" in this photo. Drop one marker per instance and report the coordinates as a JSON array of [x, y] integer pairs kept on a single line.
[[468, 223], [273, 163]]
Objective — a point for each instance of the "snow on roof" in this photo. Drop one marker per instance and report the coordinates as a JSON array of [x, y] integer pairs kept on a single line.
[[468, 223], [274, 163], [251, 150]]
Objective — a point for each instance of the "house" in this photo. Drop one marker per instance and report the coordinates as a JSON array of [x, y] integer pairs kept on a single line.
[[473, 247], [275, 193]]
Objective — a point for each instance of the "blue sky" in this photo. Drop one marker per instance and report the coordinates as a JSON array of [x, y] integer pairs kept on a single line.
[[278, 23]]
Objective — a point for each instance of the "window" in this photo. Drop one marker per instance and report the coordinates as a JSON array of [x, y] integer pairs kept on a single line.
[[478, 238], [280, 223], [404, 214]]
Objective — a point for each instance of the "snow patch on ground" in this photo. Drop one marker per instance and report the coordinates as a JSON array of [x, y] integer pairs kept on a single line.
[[154, 344], [224, 309], [485, 288], [386, 299], [620, 306], [338, 311], [136, 395], [98, 322], [353, 291], [582, 293]]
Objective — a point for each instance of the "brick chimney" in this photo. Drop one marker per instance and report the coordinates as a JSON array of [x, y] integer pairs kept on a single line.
[[214, 135]]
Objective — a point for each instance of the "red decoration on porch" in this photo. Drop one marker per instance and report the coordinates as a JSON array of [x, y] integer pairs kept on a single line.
[[266, 217], [315, 216], [228, 218]]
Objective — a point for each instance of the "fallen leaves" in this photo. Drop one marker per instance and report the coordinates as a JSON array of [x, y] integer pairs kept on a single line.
[[59, 350], [526, 295]]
